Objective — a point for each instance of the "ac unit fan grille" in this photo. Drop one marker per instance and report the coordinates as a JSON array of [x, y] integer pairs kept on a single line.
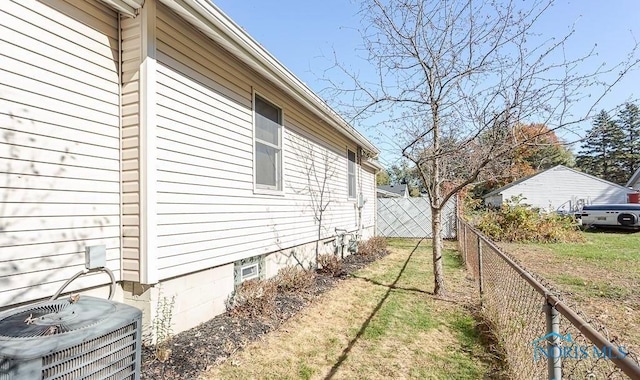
[[53, 318], [111, 356]]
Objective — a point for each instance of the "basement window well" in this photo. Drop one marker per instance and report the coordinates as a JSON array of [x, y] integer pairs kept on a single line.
[[248, 272], [249, 269]]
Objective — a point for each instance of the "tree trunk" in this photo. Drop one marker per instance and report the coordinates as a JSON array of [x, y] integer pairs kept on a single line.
[[438, 275], [436, 206], [318, 239]]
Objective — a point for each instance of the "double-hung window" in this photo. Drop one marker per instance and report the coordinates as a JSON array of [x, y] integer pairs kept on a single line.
[[268, 145], [351, 173]]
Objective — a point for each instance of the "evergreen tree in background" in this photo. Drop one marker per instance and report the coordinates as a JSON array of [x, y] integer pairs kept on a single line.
[[602, 151], [629, 121], [403, 173]]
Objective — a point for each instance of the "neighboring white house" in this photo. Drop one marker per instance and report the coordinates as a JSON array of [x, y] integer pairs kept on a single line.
[[559, 189], [634, 181], [161, 130], [393, 191]]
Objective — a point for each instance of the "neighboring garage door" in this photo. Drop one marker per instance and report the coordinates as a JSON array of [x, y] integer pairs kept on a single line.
[[59, 143]]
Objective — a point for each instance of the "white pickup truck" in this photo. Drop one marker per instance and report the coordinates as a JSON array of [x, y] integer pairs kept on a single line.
[[612, 215]]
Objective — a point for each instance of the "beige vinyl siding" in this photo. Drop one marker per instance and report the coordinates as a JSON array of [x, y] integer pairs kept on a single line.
[[131, 60], [208, 212], [59, 150]]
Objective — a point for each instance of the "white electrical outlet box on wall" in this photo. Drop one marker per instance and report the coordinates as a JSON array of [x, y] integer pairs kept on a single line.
[[95, 256]]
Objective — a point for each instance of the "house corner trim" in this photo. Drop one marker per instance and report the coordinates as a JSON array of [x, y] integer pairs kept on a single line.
[[148, 146]]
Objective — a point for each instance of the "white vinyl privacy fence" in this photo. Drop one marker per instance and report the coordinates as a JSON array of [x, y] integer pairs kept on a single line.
[[411, 218]]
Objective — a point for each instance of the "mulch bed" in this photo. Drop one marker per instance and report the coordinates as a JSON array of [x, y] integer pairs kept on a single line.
[[211, 343]]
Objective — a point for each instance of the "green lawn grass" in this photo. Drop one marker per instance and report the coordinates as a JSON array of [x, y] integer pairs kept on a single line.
[[606, 265], [383, 323], [607, 245]]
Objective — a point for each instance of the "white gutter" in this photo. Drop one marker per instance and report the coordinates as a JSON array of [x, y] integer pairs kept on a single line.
[[211, 21], [126, 7], [373, 164]]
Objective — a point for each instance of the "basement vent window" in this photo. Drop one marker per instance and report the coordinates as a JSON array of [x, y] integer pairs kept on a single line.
[[249, 272], [248, 269]]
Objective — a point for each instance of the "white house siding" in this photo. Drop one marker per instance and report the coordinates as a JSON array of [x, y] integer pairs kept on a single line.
[[555, 187], [634, 181], [208, 213], [59, 144], [369, 194]]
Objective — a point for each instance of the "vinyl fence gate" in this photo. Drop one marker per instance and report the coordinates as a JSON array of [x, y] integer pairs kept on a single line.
[[411, 218]]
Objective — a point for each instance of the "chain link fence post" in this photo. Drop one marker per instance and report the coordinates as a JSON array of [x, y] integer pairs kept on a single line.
[[480, 270], [464, 243], [554, 358]]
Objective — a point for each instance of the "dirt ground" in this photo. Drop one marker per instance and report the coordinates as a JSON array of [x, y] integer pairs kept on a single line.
[[211, 343]]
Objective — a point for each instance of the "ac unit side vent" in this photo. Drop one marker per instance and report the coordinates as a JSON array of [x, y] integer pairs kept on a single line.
[[5, 366], [91, 346], [110, 356], [121, 370], [98, 370]]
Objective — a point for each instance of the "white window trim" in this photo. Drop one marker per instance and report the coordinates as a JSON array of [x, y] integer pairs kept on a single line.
[[263, 189], [355, 175]]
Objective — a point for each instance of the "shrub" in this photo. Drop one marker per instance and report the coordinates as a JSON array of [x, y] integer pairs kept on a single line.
[[295, 279], [329, 264], [373, 247], [160, 331], [521, 223], [253, 298]]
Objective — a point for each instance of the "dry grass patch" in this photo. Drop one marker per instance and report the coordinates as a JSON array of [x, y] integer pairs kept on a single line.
[[372, 246], [381, 324]]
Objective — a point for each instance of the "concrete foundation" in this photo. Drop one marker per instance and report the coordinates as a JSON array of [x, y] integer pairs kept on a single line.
[[197, 297], [200, 296]]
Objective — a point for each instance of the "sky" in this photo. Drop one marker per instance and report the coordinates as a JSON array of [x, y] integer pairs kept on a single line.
[[305, 36]]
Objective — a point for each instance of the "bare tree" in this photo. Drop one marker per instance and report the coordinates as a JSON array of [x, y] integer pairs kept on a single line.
[[318, 166], [455, 77]]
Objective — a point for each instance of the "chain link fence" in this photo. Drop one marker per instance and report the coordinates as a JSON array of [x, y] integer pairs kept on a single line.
[[540, 334]]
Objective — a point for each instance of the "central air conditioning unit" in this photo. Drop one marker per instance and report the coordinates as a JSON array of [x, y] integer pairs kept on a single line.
[[81, 337]]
